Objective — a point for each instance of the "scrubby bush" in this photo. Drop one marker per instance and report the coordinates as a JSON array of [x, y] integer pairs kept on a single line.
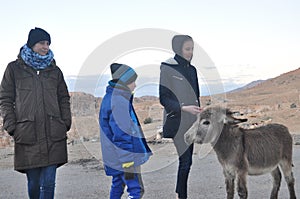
[[148, 120]]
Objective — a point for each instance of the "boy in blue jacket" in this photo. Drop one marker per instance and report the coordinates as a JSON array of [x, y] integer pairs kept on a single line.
[[124, 148]]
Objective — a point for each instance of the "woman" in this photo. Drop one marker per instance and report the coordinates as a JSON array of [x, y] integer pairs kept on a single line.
[[35, 104], [179, 94]]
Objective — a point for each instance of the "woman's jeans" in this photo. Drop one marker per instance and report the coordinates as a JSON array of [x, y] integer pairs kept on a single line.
[[41, 182], [185, 154]]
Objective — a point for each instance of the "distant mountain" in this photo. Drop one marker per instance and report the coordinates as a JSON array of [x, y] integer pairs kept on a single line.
[[96, 86], [281, 89], [92, 84], [247, 86]]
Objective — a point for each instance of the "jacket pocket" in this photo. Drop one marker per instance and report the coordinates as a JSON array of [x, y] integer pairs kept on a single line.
[[24, 81], [58, 129], [24, 94], [25, 132], [171, 125]]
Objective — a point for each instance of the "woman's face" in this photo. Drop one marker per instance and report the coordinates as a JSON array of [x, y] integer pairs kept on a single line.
[[187, 50], [41, 47]]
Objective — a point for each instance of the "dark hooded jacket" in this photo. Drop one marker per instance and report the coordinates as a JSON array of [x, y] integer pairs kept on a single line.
[[35, 106], [178, 86]]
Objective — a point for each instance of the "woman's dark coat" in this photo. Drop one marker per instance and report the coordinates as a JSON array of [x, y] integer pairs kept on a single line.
[[178, 87], [35, 106]]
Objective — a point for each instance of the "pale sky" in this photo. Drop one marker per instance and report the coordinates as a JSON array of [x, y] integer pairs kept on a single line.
[[246, 40]]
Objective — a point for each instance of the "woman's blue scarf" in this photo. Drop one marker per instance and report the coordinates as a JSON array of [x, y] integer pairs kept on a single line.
[[36, 60]]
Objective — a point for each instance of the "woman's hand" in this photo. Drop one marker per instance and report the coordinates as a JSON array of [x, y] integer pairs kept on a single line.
[[192, 109]]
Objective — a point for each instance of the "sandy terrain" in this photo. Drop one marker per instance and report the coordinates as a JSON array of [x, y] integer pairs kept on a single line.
[[83, 176]]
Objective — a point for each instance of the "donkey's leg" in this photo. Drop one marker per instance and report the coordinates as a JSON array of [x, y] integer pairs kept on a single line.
[[229, 181], [286, 167], [276, 183], [242, 184]]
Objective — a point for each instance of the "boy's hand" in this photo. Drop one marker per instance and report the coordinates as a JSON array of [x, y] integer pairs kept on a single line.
[[128, 170]]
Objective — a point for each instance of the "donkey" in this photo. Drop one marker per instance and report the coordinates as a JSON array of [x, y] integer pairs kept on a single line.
[[243, 152]]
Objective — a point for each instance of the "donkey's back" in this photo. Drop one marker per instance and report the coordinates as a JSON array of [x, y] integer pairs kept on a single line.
[[267, 147]]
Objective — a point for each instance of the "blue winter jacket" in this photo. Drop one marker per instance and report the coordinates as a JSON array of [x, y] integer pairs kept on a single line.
[[121, 136]]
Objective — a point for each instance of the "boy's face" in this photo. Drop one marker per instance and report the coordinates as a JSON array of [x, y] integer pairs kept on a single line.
[[131, 86]]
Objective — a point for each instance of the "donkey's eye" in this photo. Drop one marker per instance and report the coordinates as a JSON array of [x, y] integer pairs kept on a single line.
[[206, 122]]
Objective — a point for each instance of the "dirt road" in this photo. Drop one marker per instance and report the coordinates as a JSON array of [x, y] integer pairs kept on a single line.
[[83, 176]]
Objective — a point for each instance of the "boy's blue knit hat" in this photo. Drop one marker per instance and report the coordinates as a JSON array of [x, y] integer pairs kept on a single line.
[[123, 73], [36, 35]]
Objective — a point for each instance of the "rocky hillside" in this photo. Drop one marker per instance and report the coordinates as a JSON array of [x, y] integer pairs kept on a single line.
[[273, 100], [85, 112]]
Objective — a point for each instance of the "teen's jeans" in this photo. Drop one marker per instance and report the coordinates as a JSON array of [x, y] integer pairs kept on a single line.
[[185, 154], [41, 182], [135, 187]]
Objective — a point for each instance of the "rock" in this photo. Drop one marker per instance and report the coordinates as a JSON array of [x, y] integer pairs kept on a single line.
[[5, 141], [293, 105]]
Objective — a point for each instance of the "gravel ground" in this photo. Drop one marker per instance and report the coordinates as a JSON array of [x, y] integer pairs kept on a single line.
[[83, 176]]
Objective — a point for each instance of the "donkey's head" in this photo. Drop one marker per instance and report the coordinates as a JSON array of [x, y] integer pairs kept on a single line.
[[209, 125]]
